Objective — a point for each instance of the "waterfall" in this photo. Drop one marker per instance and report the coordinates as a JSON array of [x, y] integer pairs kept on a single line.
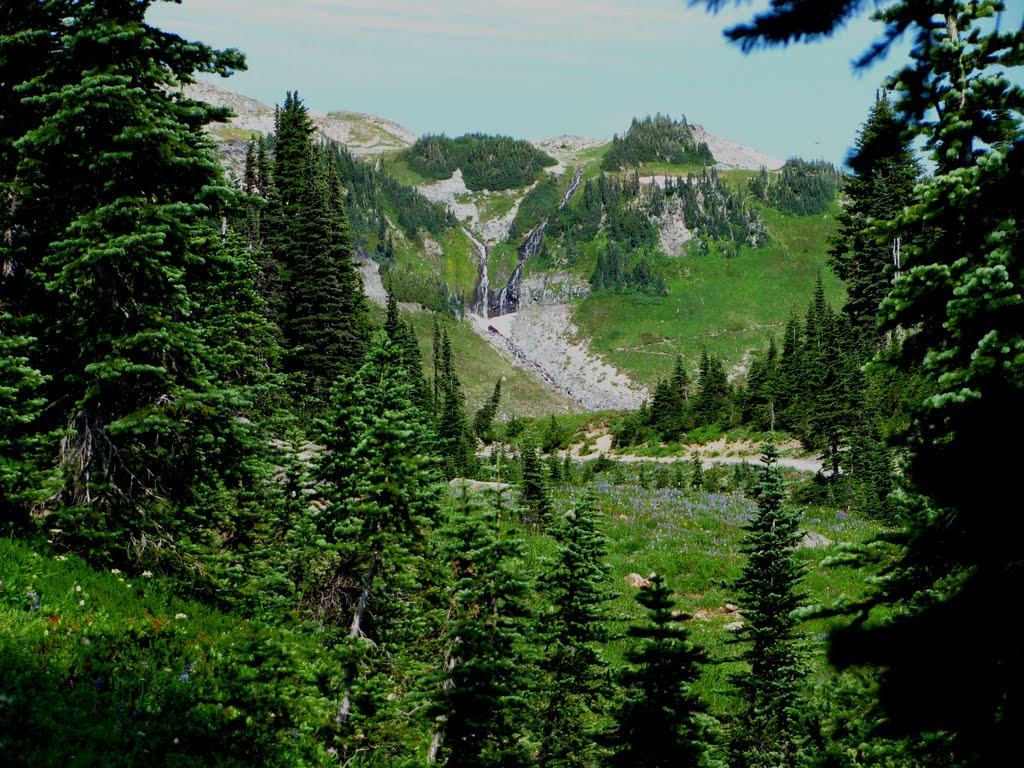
[[482, 295], [507, 299]]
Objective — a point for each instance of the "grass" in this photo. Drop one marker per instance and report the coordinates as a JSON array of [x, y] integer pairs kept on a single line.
[[731, 305], [692, 539]]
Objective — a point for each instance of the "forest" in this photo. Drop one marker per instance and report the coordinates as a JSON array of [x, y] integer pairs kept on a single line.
[[247, 519]]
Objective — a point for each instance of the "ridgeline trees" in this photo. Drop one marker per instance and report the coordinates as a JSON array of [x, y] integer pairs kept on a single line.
[[658, 138]]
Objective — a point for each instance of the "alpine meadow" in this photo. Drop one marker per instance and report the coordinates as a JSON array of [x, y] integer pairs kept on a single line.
[[325, 442]]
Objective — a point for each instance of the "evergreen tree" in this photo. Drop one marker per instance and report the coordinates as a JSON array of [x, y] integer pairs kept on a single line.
[[885, 172], [110, 184], [323, 309], [383, 498], [960, 299], [483, 421], [534, 489], [712, 405], [576, 589], [485, 686], [658, 718], [768, 594]]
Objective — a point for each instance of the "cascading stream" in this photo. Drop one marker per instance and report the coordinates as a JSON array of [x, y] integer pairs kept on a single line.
[[482, 295], [507, 299]]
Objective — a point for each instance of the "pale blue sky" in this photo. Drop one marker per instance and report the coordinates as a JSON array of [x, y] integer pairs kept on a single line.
[[540, 68]]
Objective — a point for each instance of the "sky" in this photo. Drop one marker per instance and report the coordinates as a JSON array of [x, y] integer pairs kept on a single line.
[[541, 68]]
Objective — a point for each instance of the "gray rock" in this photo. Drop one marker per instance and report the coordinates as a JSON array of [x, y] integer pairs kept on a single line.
[[812, 540]]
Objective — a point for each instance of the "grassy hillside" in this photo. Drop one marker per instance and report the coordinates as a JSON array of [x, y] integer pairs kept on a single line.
[[730, 304]]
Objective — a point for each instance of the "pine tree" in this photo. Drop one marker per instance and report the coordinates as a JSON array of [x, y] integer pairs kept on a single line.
[[658, 717], [323, 312], [768, 594], [483, 421], [484, 687], [383, 498], [576, 589], [711, 405], [960, 300], [111, 184], [885, 172], [534, 489]]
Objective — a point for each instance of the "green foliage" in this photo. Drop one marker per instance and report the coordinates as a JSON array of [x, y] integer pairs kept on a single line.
[[112, 669], [321, 305], [619, 272], [573, 630], [539, 202], [658, 720], [112, 186], [803, 188], [485, 684], [885, 172], [534, 490], [768, 592], [483, 421], [487, 162], [653, 139], [959, 306], [371, 192]]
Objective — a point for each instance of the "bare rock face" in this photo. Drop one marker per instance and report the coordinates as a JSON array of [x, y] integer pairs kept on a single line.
[[730, 608], [812, 540], [733, 626], [637, 581]]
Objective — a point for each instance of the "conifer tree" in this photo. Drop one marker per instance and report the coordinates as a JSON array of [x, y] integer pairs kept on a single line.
[[485, 687], [323, 308], [110, 184], [576, 589], [711, 405], [534, 489], [383, 498], [658, 716], [885, 172], [483, 421], [768, 594]]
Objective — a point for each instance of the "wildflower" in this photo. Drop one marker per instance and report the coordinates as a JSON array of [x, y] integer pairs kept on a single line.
[[181, 616], [81, 602], [61, 558], [78, 587], [148, 574], [115, 571]]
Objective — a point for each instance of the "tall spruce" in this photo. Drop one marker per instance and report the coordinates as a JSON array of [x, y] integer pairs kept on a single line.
[[885, 172], [573, 630], [322, 308], [484, 703], [768, 592], [658, 716], [383, 499], [111, 187]]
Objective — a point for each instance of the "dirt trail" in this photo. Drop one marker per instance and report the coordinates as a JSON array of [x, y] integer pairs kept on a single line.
[[718, 452]]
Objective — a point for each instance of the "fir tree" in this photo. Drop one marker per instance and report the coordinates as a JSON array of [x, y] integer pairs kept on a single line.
[[382, 497], [768, 594], [885, 172], [576, 589], [484, 687], [534, 489], [658, 718], [483, 421], [110, 187], [323, 308]]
